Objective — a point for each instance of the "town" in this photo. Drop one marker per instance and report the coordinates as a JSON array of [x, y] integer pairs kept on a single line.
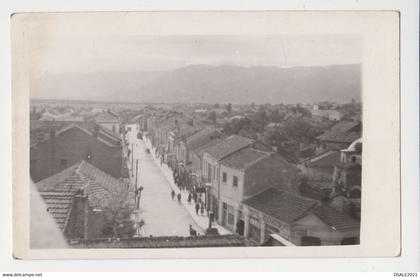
[[165, 175]]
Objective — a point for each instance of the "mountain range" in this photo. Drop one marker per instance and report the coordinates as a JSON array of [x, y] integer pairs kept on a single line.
[[208, 84]]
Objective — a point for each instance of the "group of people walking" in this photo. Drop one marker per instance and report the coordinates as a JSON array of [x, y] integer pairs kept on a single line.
[[178, 196]]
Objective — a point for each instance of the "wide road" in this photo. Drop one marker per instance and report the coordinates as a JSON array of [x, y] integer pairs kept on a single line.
[[162, 215]]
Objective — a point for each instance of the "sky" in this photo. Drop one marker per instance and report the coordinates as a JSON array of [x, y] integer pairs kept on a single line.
[[73, 53]]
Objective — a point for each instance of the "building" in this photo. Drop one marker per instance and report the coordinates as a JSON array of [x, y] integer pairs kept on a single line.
[[109, 120], [339, 136], [197, 161], [244, 174], [300, 221], [348, 172], [60, 149], [77, 196], [211, 165], [194, 141], [333, 115]]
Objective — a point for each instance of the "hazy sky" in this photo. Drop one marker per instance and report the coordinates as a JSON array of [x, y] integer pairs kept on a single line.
[[98, 52]]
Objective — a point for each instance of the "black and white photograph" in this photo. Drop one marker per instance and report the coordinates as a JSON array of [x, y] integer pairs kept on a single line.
[[155, 140]]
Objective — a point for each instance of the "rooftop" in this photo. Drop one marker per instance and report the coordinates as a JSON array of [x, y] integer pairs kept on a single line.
[[335, 219], [343, 131], [163, 242], [107, 137], [282, 205], [228, 146], [202, 137], [244, 158], [97, 185], [107, 117], [325, 160], [58, 205]]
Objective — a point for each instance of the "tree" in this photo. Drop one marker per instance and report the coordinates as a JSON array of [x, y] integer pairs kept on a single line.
[[213, 117], [117, 215], [229, 108]]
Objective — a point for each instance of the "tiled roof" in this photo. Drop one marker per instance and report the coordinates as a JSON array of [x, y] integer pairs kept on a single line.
[[327, 159], [228, 146], [84, 127], [98, 185], [335, 219], [203, 148], [347, 137], [58, 205], [244, 158], [107, 117], [164, 242], [202, 137], [282, 205], [185, 131], [344, 131]]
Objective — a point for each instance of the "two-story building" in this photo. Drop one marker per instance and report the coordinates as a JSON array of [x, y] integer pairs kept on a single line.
[[211, 165], [244, 174]]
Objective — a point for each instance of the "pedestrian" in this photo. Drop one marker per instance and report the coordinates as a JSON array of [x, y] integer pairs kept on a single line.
[[173, 195], [179, 197], [202, 209], [193, 232], [197, 207], [189, 198], [195, 197]]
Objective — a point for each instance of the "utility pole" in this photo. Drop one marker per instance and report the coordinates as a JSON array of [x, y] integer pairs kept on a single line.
[[137, 169], [132, 159]]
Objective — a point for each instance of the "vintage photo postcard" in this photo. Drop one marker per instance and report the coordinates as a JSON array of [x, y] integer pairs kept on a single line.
[[205, 134]]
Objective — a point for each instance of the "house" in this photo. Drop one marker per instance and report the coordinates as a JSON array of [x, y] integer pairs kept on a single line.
[[197, 162], [211, 165], [298, 220], [194, 141], [109, 120], [333, 115], [73, 143], [317, 173], [325, 225], [160, 129], [274, 211], [348, 172], [176, 137], [339, 136], [77, 196], [244, 174]]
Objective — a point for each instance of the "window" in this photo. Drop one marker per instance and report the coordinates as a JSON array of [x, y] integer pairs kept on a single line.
[[254, 233], [230, 219], [209, 172], [63, 162], [235, 181], [224, 177]]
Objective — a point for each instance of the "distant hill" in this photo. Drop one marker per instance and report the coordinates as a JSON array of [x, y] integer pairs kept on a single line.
[[213, 84]]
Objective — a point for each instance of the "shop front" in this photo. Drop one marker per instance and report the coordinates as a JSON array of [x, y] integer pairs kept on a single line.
[[254, 228], [275, 226]]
